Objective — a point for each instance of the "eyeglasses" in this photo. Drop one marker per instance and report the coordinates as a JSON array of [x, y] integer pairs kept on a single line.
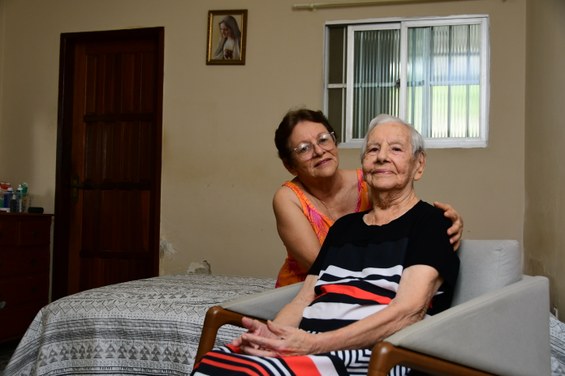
[[326, 141]]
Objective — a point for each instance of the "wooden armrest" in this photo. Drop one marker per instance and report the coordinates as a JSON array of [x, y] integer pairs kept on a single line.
[[216, 317], [262, 306], [385, 356]]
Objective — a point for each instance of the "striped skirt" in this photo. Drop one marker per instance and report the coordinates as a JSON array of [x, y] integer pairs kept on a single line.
[[227, 361]]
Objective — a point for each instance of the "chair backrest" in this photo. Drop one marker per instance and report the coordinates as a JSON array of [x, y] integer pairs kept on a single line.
[[486, 265]]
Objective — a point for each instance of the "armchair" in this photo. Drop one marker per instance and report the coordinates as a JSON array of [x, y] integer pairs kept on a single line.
[[498, 324]]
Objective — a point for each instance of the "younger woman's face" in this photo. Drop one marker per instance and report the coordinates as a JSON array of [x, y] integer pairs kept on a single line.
[[225, 30]]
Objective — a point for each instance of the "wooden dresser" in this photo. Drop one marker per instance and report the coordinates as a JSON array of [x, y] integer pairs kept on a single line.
[[24, 270]]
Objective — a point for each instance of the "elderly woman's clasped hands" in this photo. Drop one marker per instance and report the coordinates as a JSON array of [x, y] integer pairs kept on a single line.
[[273, 339]]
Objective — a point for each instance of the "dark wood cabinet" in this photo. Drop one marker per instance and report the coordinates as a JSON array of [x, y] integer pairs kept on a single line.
[[24, 270]]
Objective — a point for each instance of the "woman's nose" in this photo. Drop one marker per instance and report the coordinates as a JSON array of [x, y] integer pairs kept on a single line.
[[382, 155], [318, 150]]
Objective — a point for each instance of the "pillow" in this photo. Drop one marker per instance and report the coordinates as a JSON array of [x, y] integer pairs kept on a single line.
[[486, 265]]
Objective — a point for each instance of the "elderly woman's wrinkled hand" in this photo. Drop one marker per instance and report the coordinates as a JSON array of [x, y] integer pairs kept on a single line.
[[287, 341], [254, 327]]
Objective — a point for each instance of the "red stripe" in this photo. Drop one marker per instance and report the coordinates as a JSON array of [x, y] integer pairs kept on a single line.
[[233, 348], [236, 359], [302, 365], [221, 365], [354, 292]]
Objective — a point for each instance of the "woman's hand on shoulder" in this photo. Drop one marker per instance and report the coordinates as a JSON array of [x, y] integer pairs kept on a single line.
[[455, 232]]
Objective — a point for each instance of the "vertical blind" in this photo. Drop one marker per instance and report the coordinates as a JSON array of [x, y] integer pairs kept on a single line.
[[376, 76], [443, 73], [443, 79]]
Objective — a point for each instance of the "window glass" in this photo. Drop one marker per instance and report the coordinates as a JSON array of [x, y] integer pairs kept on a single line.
[[431, 72]]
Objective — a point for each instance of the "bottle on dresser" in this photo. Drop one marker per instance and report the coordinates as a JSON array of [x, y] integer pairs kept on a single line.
[[13, 203]]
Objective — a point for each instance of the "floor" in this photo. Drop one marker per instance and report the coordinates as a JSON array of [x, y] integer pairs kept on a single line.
[[6, 350]]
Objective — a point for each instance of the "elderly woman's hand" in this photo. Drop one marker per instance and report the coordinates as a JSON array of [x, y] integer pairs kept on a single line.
[[287, 341], [254, 327], [455, 232]]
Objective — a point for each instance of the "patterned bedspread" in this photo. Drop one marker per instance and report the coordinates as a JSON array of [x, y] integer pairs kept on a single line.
[[144, 327]]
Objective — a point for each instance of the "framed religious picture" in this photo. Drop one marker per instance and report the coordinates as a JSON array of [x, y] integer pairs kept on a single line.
[[227, 31]]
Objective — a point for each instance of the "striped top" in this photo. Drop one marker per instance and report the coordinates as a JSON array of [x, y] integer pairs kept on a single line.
[[359, 266]]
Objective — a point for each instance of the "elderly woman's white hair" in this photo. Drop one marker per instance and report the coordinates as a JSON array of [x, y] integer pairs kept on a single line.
[[417, 139]]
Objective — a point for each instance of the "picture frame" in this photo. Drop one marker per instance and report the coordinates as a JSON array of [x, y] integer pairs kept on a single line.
[[227, 34]]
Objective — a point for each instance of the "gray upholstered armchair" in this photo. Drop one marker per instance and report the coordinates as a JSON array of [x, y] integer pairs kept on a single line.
[[498, 324]]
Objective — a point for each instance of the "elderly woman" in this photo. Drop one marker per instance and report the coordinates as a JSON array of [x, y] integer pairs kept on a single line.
[[378, 271], [320, 193]]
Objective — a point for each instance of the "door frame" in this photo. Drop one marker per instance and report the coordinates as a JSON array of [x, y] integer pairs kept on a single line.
[[68, 43]]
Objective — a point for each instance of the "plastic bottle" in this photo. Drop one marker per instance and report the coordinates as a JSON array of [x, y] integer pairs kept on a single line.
[[20, 199], [25, 197], [13, 203], [8, 194]]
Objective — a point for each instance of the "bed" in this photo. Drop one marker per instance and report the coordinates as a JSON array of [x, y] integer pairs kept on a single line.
[[146, 327], [143, 327]]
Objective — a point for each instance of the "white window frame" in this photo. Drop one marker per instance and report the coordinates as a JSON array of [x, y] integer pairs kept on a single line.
[[403, 24]]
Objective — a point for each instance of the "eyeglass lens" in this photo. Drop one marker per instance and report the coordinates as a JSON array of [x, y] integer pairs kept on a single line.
[[326, 141]]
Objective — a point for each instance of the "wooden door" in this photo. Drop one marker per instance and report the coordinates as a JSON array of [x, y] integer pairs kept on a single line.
[[109, 159]]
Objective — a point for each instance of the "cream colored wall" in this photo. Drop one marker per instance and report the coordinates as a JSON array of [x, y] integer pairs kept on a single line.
[[219, 165], [544, 235]]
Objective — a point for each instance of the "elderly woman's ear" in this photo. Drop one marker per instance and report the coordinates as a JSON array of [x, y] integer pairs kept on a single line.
[[421, 166]]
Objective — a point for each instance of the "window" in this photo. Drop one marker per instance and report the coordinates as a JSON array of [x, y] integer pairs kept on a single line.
[[431, 72]]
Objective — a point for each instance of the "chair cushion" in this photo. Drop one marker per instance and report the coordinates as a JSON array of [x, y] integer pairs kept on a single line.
[[485, 266]]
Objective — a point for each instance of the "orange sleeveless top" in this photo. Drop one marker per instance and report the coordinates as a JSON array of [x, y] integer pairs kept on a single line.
[[290, 271]]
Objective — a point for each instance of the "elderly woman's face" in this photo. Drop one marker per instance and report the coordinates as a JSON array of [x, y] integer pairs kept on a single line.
[[389, 162]]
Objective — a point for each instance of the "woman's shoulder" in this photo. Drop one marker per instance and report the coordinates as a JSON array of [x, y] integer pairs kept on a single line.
[[288, 191], [428, 213], [425, 207]]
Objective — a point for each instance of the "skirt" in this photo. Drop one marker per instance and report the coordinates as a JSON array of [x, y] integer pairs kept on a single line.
[[227, 361]]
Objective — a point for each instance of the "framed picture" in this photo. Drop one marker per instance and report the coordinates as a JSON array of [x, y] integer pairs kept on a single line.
[[227, 31]]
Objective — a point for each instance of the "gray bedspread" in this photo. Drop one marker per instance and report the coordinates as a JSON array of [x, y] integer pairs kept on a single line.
[[144, 327]]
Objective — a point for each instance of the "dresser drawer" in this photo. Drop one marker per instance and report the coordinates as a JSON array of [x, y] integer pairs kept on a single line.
[[20, 300], [18, 262], [14, 320], [24, 270], [9, 231], [24, 290], [34, 231], [24, 229]]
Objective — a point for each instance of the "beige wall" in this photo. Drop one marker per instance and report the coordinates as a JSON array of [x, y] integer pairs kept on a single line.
[[219, 165], [544, 235]]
